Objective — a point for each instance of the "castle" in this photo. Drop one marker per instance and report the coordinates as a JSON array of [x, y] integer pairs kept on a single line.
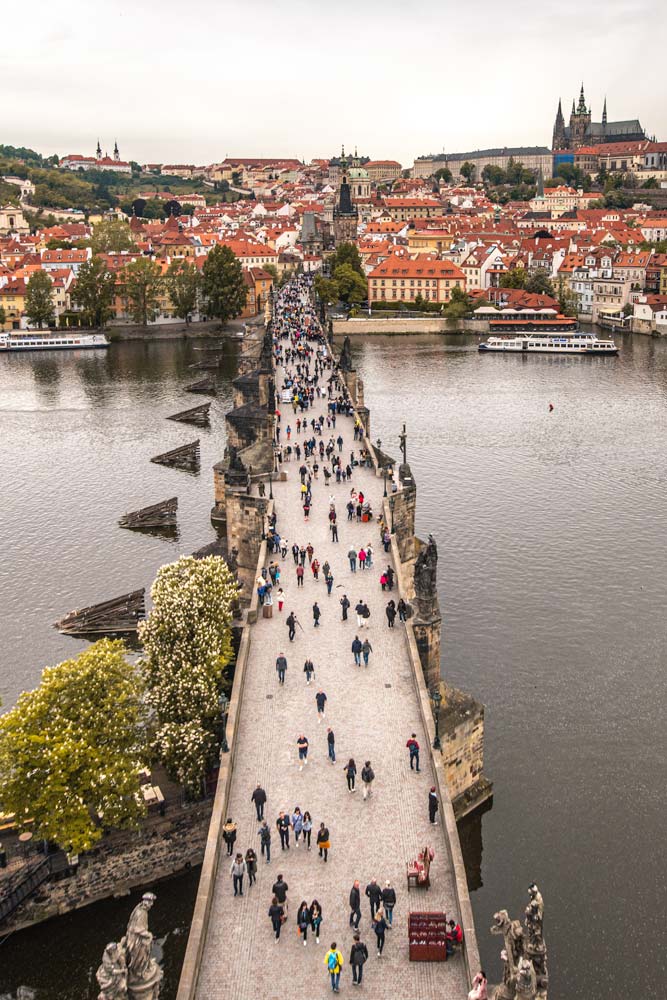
[[583, 132]]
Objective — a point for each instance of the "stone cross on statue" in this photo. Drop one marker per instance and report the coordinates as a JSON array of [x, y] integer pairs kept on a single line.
[[403, 438]]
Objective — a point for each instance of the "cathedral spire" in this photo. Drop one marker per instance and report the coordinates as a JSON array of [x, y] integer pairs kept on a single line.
[[581, 108], [99, 150], [116, 154], [604, 112]]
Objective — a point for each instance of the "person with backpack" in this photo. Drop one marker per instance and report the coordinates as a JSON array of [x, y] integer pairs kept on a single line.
[[413, 747], [367, 777], [366, 651], [380, 926], [373, 893], [344, 603], [237, 871], [303, 920], [350, 774], [308, 670], [264, 834], [390, 612], [229, 836], [355, 905], [316, 919], [358, 956], [334, 963], [277, 915], [357, 646], [359, 608], [389, 902], [323, 841]]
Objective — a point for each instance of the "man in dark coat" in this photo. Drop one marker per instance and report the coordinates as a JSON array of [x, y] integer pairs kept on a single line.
[[355, 906], [259, 798]]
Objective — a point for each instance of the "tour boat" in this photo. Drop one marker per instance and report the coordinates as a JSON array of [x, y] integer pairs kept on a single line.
[[547, 343], [50, 340]]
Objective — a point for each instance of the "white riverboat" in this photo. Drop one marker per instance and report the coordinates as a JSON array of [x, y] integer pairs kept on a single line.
[[50, 340], [549, 343]]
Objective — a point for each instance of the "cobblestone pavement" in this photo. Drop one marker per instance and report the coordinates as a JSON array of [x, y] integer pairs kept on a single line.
[[372, 711]]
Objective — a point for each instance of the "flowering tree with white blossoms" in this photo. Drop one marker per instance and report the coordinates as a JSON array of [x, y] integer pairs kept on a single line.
[[187, 646], [71, 750]]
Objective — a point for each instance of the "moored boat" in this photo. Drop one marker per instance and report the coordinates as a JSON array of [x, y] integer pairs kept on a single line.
[[50, 340], [549, 343]]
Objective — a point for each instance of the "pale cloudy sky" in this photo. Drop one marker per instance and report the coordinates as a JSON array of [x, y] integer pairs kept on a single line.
[[194, 82]]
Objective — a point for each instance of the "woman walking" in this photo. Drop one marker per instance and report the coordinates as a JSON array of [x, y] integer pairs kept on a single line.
[[402, 610], [303, 920], [316, 919], [323, 841], [307, 827], [308, 670], [380, 926], [361, 556], [281, 598], [297, 824], [237, 871], [251, 866], [350, 774], [390, 612], [229, 836], [277, 915]]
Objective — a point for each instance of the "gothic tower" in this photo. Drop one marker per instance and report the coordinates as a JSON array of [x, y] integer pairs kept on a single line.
[[559, 140], [345, 215], [580, 121], [116, 154], [98, 152]]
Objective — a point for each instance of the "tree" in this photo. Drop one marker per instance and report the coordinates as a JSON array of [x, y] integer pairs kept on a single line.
[[71, 750], [3, 320], [273, 271], [347, 253], [112, 236], [138, 206], [539, 282], [468, 171], [327, 289], [183, 283], [568, 302], [187, 647], [172, 207], [94, 291], [444, 174], [460, 304], [650, 183], [514, 278], [38, 301], [142, 283], [351, 286], [222, 284]]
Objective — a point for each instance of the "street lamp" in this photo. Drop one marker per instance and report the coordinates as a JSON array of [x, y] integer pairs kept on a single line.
[[384, 476], [270, 486], [436, 698], [392, 502], [224, 709]]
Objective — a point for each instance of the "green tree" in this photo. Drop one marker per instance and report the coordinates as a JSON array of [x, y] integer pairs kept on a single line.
[[459, 305], [352, 287], [183, 283], [94, 291], [142, 283], [539, 282], [71, 750], [568, 303], [444, 174], [468, 171], [187, 648], [112, 236], [38, 301], [223, 286], [514, 278], [347, 253], [273, 271], [327, 289], [3, 320], [650, 183]]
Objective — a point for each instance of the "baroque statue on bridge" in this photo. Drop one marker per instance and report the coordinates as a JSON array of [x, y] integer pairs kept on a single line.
[[345, 360], [112, 974], [425, 578], [524, 953], [128, 970]]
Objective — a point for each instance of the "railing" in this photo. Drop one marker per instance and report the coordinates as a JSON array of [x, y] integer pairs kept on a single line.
[[24, 888]]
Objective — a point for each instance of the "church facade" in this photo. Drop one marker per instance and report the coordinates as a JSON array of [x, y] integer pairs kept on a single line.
[[583, 131]]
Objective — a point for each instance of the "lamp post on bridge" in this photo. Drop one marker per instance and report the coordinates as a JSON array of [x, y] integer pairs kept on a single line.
[[392, 502], [224, 709], [436, 699]]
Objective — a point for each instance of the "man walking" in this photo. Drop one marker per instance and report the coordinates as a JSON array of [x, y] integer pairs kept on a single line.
[[374, 894], [316, 615], [299, 575], [366, 650], [331, 744], [281, 667], [334, 963], [291, 625], [359, 608], [283, 825], [358, 955], [259, 798], [355, 905], [265, 841], [356, 649], [433, 804], [344, 603], [237, 871], [389, 902], [413, 747], [302, 747], [367, 777], [279, 890], [321, 700], [352, 556]]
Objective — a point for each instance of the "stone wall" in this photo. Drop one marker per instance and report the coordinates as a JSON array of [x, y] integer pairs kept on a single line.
[[388, 327], [462, 737], [245, 517], [123, 860]]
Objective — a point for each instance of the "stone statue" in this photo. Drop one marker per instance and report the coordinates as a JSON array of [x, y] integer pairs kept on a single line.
[[426, 571], [235, 461], [536, 949], [526, 982], [524, 955], [511, 954], [144, 974], [345, 360], [112, 974]]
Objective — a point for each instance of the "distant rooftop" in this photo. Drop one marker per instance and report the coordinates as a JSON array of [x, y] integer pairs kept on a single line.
[[478, 154]]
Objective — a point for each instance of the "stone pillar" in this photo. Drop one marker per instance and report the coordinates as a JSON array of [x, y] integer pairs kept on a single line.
[[427, 635], [405, 503], [245, 526], [462, 737], [365, 417]]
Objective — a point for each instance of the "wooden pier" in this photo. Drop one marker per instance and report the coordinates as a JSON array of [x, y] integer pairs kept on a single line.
[[159, 515], [206, 386], [118, 616], [185, 457], [198, 415]]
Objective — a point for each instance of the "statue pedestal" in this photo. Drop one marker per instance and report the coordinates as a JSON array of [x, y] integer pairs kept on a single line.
[[427, 634], [148, 987]]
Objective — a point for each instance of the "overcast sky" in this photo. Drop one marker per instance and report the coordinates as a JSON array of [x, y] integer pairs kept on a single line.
[[195, 82]]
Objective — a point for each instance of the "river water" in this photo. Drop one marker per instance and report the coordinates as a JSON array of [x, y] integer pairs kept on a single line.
[[551, 530]]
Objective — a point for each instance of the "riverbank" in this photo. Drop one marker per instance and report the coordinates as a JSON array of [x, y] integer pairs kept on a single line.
[[394, 326], [180, 331]]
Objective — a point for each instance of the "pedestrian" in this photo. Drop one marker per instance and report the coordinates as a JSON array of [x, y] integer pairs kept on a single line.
[[478, 991], [323, 841], [316, 919], [383, 580], [373, 893], [367, 777], [344, 603], [413, 747], [362, 558], [283, 548], [259, 798], [303, 920], [360, 608], [265, 841], [299, 575], [316, 615], [358, 955], [277, 915], [309, 670], [291, 625], [352, 556], [315, 566], [334, 531], [380, 926], [402, 610], [297, 824], [229, 836], [283, 825], [295, 553], [334, 963], [357, 646], [350, 774], [386, 539], [237, 871], [331, 745], [281, 598], [279, 890], [251, 866], [355, 905], [433, 804], [302, 747], [390, 612], [302, 555], [329, 580], [365, 613], [307, 826], [281, 667], [369, 555], [388, 902], [366, 651], [309, 550], [320, 700], [326, 568], [390, 578]]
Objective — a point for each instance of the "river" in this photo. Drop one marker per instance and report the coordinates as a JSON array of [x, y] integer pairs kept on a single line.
[[552, 577]]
